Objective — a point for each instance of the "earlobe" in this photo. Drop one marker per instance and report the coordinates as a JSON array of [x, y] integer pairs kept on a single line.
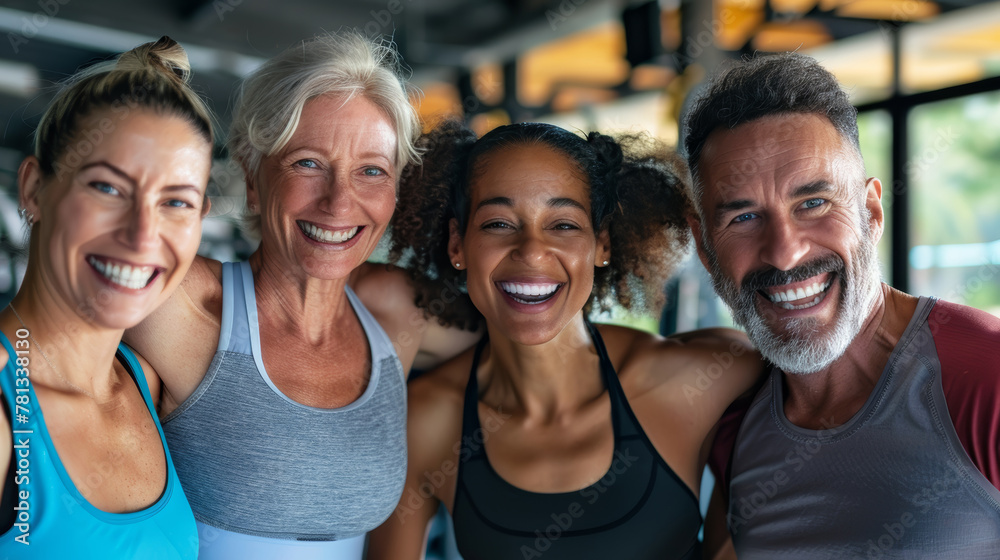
[[206, 207], [873, 201], [695, 224], [455, 252], [602, 256], [29, 184]]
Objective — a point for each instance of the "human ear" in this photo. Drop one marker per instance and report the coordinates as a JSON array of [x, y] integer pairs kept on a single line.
[[455, 251], [602, 256], [694, 222], [29, 183], [873, 201]]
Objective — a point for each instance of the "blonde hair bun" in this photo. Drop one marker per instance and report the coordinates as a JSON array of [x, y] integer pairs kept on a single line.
[[164, 55]]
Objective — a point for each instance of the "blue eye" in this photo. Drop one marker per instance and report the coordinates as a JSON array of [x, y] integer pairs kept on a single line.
[[373, 171], [103, 187], [814, 202], [744, 217], [175, 203], [307, 163]]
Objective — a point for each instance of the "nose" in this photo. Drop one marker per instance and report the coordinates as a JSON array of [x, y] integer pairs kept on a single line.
[[142, 230], [337, 196], [530, 249], [784, 245]]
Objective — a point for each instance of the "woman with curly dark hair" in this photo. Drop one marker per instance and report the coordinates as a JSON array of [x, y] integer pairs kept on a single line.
[[566, 440]]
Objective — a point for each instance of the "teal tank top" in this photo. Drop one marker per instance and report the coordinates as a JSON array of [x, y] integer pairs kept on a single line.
[[55, 521]]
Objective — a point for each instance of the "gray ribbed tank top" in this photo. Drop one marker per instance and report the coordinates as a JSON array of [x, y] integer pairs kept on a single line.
[[893, 482], [253, 461]]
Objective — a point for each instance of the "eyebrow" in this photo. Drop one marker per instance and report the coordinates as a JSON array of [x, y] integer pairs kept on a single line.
[[131, 181], [111, 168], [552, 203], [809, 189]]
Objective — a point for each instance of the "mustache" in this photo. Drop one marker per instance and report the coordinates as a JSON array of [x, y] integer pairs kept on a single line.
[[769, 276]]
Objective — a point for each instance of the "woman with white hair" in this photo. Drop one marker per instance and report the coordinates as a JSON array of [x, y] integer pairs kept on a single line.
[[283, 396]]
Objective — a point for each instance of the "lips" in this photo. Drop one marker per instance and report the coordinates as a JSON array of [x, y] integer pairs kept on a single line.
[[530, 293], [323, 235], [119, 273]]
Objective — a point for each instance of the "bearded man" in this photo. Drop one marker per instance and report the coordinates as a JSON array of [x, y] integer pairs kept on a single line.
[[877, 434]]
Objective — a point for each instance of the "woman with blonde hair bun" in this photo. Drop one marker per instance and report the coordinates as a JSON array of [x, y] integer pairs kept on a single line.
[[113, 197]]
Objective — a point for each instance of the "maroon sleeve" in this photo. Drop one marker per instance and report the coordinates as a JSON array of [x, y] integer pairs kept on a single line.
[[968, 347], [725, 440]]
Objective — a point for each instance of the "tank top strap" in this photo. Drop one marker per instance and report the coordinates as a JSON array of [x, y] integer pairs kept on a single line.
[[622, 420], [470, 409], [237, 283], [378, 339], [8, 382]]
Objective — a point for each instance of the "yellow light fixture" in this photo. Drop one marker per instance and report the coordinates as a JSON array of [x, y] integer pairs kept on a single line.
[[888, 10], [595, 57], [791, 36]]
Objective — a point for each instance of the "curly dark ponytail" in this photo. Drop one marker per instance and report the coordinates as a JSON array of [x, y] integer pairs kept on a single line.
[[638, 192]]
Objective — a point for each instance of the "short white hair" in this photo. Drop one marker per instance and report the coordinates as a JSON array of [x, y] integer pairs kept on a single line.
[[344, 64]]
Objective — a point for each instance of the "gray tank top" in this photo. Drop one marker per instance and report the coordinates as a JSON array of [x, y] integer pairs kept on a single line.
[[893, 482], [253, 461]]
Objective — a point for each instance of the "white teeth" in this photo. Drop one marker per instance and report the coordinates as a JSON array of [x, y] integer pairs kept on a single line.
[[124, 275], [327, 236], [531, 290], [787, 305], [799, 293]]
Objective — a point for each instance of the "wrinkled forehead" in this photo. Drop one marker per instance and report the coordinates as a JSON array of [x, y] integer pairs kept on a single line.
[[772, 154]]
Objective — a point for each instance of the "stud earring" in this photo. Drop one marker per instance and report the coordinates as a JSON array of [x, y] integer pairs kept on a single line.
[[458, 265], [605, 263]]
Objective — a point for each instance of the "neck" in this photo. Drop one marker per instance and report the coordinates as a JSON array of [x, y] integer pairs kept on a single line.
[[311, 307], [830, 397], [546, 380], [81, 353]]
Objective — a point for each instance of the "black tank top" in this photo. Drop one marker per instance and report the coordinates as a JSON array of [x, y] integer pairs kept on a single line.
[[639, 510]]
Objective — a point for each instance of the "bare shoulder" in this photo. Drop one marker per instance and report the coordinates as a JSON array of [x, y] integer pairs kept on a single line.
[[437, 398], [420, 341], [646, 361], [384, 289], [203, 284], [199, 295], [179, 338]]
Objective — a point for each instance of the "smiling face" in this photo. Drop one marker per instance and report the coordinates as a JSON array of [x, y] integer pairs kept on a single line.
[[116, 232], [789, 233], [529, 247], [326, 198]]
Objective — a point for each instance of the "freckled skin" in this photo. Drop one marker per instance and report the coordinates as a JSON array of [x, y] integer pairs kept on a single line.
[[135, 195]]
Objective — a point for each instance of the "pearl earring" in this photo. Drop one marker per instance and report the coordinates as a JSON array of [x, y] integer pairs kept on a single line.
[[605, 263], [458, 265]]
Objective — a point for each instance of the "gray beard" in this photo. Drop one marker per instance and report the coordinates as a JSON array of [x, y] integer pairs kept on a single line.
[[802, 348]]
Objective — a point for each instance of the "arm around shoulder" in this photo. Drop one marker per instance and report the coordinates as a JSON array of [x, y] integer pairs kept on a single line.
[[724, 364], [420, 341], [179, 338]]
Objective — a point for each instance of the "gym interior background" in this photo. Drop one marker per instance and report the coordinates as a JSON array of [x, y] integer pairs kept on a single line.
[[925, 76]]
